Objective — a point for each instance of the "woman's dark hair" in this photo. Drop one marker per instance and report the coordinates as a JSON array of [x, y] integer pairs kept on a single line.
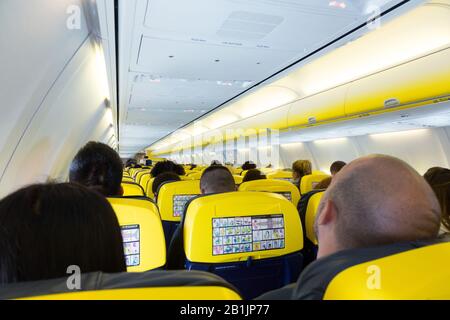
[[98, 167], [46, 228], [253, 174], [439, 180], [248, 165], [166, 166], [163, 178]]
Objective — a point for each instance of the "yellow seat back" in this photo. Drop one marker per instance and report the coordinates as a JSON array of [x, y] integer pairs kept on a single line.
[[142, 232], [280, 175], [132, 189], [174, 195], [234, 226], [144, 181], [311, 212], [308, 182], [418, 274], [196, 175], [238, 179], [149, 189], [127, 179], [153, 285], [285, 188], [140, 174]]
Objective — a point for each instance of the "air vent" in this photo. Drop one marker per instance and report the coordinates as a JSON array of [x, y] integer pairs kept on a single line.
[[245, 25]]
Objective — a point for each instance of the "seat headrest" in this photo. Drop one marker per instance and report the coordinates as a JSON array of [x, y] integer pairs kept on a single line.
[[285, 188], [142, 232], [308, 182], [236, 226], [174, 195], [132, 189], [418, 274], [152, 285], [281, 175], [311, 212]]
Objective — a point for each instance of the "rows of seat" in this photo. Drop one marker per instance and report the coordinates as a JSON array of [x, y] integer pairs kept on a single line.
[[279, 261]]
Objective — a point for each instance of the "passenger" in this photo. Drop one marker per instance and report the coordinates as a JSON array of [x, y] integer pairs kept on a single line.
[[46, 228], [98, 167], [215, 179], [336, 167], [374, 201], [324, 184], [253, 174], [439, 180], [179, 170], [162, 179], [300, 168], [166, 166], [248, 165]]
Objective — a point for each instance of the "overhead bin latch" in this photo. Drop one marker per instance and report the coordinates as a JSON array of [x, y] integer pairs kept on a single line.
[[391, 103], [312, 120]]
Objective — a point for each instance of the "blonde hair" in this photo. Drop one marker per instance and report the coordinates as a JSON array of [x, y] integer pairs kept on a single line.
[[302, 167]]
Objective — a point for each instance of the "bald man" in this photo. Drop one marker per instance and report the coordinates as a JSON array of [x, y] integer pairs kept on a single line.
[[375, 206], [375, 200]]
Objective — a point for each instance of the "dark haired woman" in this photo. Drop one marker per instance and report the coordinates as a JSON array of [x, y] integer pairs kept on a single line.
[[46, 228]]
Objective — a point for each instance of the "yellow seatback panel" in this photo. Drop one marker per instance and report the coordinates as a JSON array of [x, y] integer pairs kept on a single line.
[[285, 188], [127, 179], [308, 182], [418, 274], [161, 293], [132, 189], [149, 189], [195, 175], [311, 212], [143, 235], [144, 181], [280, 175], [234, 226], [238, 179], [172, 197]]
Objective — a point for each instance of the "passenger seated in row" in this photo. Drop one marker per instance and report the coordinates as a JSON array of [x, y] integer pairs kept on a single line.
[[162, 179], [300, 168], [253, 174], [248, 165], [215, 179], [439, 180], [324, 184], [336, 167], [46, 228], [374, 201], [98, 167], [167, 166]]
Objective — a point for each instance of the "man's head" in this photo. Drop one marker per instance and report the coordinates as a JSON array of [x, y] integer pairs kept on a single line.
[[166, 166], [162, 179], [217, 179], [253, 174], [98, 167], [248, 165], [336, 167], [375, 200]]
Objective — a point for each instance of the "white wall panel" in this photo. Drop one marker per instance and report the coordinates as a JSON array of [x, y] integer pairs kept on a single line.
[[52, 90]]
